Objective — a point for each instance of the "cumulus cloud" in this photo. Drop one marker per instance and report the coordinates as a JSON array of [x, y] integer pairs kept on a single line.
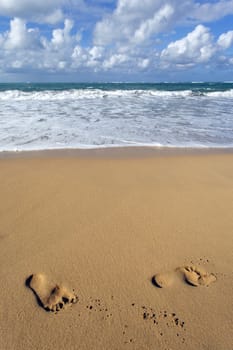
[[125, 40], [115, 60], [226, 40], [137, 21], [24, 47], [155, 24], [61, 37], [99, 58], [19, 37], [133, 21], [196, 47]]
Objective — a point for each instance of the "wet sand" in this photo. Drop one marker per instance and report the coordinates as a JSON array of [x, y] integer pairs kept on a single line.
[[116, 249]]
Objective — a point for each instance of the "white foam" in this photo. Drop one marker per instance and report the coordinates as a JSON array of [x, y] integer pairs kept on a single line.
[[53, 95], [225, 94], [93, 118]]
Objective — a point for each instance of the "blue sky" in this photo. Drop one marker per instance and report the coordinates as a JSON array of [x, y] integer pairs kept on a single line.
[[124, 40]]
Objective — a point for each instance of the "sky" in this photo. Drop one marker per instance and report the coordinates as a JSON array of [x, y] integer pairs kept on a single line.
[[109, 40]]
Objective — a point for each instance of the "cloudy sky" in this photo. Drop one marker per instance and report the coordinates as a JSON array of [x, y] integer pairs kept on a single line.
[[110, 40]]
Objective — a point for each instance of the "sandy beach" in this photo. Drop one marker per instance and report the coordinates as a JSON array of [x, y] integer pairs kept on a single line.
[[98, 234]]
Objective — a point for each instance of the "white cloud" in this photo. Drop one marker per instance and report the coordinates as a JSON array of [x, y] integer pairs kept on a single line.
[[51, 18], [96, 52], [196, 47], [126, 40], [226, 40], [48, 11], [136, 21], [19, 37], [61, 37], [143, 63], [133, 21], [155, 24], [79, 56], [100, 59], [212, 10], [115, 60], [24, 47], [91, 57]]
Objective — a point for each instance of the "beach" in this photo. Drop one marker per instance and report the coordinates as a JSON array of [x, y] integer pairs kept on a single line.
[[105, 224]]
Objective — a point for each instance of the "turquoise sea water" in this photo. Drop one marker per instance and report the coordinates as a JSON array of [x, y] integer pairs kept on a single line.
[[201, 87], [194, 86], [90, 115]]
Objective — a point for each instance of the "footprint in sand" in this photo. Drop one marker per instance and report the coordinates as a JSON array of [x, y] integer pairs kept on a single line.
[[50, 296], [164, 279], [193, 275], [196, 276]]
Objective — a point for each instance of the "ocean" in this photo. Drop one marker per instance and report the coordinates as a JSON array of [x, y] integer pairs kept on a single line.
[[92, 115]]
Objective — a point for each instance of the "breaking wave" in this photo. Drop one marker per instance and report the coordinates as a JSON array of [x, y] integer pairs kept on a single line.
[[112, 115]]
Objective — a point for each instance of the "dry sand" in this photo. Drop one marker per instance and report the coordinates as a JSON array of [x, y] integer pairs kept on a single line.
[[111, 229]]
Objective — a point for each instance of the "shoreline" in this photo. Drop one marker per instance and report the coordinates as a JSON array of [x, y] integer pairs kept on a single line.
[[115, 152]]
